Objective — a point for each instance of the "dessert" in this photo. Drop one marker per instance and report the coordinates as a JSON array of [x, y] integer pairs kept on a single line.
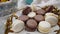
[[44, 27], [31, 14], [14, 25], [50, 8], [40, 12], [43, 18], [51, 14], [31, 25], [39, 18], [23, 17], [52, 20], [17, 25], [26, 11]]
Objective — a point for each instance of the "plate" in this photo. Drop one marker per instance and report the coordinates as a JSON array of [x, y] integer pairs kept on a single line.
[[3, 21]]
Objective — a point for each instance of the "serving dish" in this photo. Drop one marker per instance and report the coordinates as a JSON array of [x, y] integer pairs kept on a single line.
[[19, 13], [3, 21]]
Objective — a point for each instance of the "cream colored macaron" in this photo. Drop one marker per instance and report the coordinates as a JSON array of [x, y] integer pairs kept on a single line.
[[51, 14], [31, 14], [17, 25], [44, 26], [52, 20]]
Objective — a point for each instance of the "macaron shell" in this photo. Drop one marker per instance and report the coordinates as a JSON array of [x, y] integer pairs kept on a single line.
[[17, 26], [31, 14], [51, 14], [45, 24], [40, 12], [26, 11], [23, 18], [39, 18], [43, 30], [29, 29], [52, 20], [31, 23]]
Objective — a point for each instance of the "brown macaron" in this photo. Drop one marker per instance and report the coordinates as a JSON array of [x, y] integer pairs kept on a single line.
[[29, 29], [39, 18], [40, 12], [26, 11], [31, 24], [23, 18], [50, 8]]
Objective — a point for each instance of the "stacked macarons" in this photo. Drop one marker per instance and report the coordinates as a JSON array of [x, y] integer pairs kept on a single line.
[[39, 19], [32, 19]]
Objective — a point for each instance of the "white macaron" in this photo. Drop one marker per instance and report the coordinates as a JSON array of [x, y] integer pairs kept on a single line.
[[44, 27], [17, 25], [31, 14], [51, 14], [52, 20]]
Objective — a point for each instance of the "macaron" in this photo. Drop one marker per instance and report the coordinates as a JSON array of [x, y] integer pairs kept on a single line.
[[31, 14], [17, 25], [51, 14], [40, 12], [29, 29], [31, 25], [23, 17], [50, 8], [26, 11], [39, 18], [44, 27], [52, 20]]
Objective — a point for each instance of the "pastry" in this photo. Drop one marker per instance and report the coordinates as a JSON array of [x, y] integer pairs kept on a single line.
[[23, 17], [39, 18], [40, 12], [51, 14], [31, 14], [26, 11], [50, 8], [52, 20], [44, 27], [29, 29], [17, 25], [31, 24]]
